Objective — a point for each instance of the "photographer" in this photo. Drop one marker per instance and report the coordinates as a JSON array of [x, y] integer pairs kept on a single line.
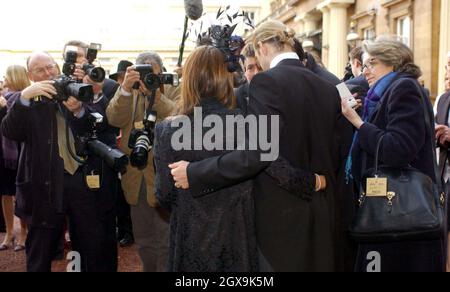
[[109, 86], [126, 111], [106, 193], [51, 184]]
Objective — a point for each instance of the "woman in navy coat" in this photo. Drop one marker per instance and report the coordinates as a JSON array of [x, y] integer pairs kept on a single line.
[[394, 108]]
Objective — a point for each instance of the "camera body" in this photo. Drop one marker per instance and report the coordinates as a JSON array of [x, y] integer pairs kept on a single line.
[[67, 86], [154, 81], [141, 142], [96, 74], [88, 144]]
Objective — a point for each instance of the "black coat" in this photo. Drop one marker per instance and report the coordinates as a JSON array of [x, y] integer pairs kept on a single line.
[[320, 71], [242, 97], [41, 170], [359, 81], [109, 88], [293, 234], [400, 117], [442, 119]]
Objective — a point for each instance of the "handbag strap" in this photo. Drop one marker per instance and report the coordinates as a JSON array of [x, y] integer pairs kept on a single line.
[[377, 154]]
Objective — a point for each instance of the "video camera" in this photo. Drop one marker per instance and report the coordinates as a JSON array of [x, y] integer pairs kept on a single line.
[[67, 86], [90, 145], [141, 142], [154, 81], [97, 74]]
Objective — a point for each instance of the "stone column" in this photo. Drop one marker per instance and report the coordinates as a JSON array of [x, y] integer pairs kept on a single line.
[[325, 35], [300, 25], [336, 33], [338, 53], [311, 23], [444, 42]]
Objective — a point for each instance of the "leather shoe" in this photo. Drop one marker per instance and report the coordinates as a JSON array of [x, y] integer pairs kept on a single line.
[[19, 248], [126, 241]]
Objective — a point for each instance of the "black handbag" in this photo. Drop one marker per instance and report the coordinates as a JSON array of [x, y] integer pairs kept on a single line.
[[413, 208]]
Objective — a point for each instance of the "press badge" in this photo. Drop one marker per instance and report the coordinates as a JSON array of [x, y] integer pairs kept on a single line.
[[376, 187], [139, 125], [93, 181]]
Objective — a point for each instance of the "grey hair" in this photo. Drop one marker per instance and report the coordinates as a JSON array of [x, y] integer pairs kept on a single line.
[[393, 53], [149, 56]]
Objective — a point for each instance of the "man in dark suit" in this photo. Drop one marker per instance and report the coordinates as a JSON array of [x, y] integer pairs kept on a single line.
[[293, 234], [251, 67], [443, 139], [356, 61], [51, 183]]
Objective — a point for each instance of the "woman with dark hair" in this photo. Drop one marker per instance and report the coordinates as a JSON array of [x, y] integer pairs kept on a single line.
[[394, 108]]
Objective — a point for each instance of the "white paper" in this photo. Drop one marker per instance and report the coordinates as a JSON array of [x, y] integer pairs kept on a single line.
[[345, 93]]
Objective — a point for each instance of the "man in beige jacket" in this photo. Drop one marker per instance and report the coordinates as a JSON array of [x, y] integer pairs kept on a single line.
[[126, 111]]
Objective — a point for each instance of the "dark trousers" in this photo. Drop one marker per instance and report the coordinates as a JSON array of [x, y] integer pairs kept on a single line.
[[80, 208], [2, 220], [124, 223], [105, 206]]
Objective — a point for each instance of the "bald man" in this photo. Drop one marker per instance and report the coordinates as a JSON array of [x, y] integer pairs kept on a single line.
[[51, 184]]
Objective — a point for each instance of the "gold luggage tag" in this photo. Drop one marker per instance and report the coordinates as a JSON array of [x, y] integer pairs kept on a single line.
[[93, 181], [376, 187]]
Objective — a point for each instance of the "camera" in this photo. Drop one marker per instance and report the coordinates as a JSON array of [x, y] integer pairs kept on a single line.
[[67, 86], [96, 74], [141, 142], [154, 81], [90, 145]]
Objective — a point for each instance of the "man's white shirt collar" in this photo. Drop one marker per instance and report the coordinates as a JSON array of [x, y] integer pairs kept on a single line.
[[282, 57]]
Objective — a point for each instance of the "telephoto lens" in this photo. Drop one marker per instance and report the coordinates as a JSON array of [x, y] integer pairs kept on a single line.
[[96, 74], [115, 158], [139, 155]]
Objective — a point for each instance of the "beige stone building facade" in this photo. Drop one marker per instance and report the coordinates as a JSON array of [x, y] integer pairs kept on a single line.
[[332, 27]]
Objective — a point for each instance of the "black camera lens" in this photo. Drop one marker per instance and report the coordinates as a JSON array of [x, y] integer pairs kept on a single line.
[[152, 81], [96, 74], [67, 87], [139, 155], [82, 92]]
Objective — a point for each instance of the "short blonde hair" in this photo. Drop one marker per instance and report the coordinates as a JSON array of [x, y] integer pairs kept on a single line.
[[17, 78], [393, 53], [274, 32]]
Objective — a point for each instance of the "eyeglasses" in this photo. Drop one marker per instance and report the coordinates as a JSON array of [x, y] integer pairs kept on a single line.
[[370, 66], [41, 71]]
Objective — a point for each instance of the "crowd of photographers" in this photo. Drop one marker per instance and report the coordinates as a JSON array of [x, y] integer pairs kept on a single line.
[[75, 132]]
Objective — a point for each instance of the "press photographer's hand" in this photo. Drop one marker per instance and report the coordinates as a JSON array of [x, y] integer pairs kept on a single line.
[[79, 73], [73, 105], [43, 88], [131, 77]]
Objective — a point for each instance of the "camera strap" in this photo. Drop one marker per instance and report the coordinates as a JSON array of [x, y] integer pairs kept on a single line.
[[151, 103]]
